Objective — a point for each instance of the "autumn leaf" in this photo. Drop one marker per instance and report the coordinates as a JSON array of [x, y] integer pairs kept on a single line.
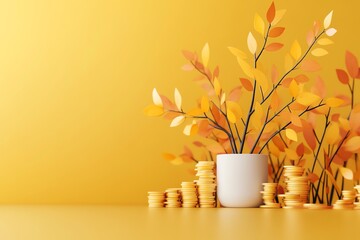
[[330, 32], [237, 53], [334, 102], [177, 121], [278, 16], [275, 101], [246, 84], [257, 116], [294, 88], [261, 79], [289, 62], [307, 98], [327, 20], [204, 104], [274, 47], [332, 135], [195, 112], [270, 15], [342, 76], [259, 24], [346, 173], [153, 111], [310, 65], [189, 55], [313, 177], [352, 65], [156, 98], [274, 74], [309, 135], [295, 50], [235, 94], [234, 111], [325, 41], [205, 54], [191, 129], [319, 52], [353, 144], [178, 98], [252, 44], [291, 134], [215, 147], [276, 32], [223, 98], [247, 69], [217, 87]]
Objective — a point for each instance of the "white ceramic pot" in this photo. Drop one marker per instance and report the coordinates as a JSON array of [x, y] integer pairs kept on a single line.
[[240, 178]]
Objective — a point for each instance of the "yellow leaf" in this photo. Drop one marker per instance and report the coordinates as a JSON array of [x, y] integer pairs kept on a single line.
[[168, 156], [153, 111], [222, 99], [332, 134], [325, 41], [205, 105], [330, 32], [289, 62], [205, 54], [259, 24], [252, 44], [344, 123], [294, 88], [195, 112], [291, 154], [237, 53], [191, 129], [295, 50], [177, 161], [273, 149], [319, 52], [217, 86], [156, 98], [291, 134], [327, 20], [235, 110], [307, 98], [178, 98], [247, 69], [177, 121], [231, 116], [261, 79], [278, 16], [353, 144], [334, 102], [347, 173]]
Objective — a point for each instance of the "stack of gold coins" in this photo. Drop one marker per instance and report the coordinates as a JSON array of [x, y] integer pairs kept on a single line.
[[206, 184], [297, 187], [357, 202], [173, 198], [269, 195], [347, 200], [316, 206], [189, 195], [156, 199]]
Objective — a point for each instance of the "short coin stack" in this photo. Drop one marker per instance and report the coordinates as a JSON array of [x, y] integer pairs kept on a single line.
[[269, 194], [316, 206], [206, 184], [189, 195], [156, 199], [297, 187], [173, 198], [357, 203], [347, 200]]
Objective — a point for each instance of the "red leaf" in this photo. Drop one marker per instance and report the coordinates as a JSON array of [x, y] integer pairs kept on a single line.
[[351, 64], [310, 65], [246, 84], [342, 76], [313, 177], [189, 55], [276, 32], [279, 143], [274, 47], [300, 150], [270, 15]]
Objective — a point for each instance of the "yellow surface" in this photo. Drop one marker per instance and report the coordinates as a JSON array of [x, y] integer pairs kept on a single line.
[[75, 76], [138, 222]]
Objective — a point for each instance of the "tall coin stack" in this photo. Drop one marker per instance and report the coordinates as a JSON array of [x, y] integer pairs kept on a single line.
[[206, 184], [156, 199], [269, 195], [189, 195], [297, 187], [173, 198], [347, 200], [357, 203]]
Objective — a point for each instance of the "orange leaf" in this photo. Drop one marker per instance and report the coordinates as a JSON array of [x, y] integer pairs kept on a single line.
[[301, 78], [342, 76], [309, 135], [310, 65], [204, 128], [351, 64], [319, 87], [353, 144], [274, 74], [275, 101], [167, 104], [310, 37], [276, 32], [187, 67], [198, 144], [291, 154], [274, 47], [246, 84], [300, 150], [313, 177], [215, 148], [270, 15], [235, 94], [216, 72], [189, 55], [279, 143]]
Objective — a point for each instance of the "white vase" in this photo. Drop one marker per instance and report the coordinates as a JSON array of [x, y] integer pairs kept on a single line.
[[240, 178]]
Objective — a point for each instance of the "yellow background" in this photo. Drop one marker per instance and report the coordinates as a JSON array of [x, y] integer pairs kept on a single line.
[[76, 75]]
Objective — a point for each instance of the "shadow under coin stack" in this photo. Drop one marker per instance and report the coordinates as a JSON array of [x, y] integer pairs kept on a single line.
[[297, 187], [189, 195], [357, 203], [156, 199], [269, 194], [347, 200], [173, 198], [206, 184]]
